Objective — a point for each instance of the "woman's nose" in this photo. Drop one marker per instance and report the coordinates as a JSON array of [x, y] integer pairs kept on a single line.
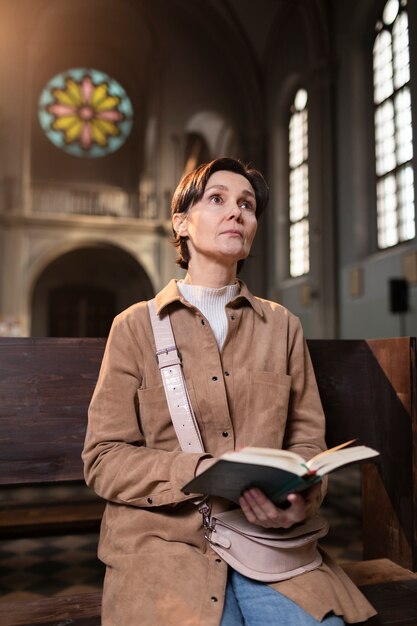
[[235, 211]]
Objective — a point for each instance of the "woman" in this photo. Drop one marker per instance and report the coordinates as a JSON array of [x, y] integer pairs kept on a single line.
[[251, 383]]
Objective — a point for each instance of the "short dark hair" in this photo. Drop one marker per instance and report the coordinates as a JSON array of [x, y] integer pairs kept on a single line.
[[191, 189]]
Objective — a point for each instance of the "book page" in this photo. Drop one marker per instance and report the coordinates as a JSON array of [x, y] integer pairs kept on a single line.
[[332, 459], [282, 459]]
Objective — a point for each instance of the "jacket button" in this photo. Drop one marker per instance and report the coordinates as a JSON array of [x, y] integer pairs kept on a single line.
[[150, 500], [225, 433], [214, 378], [213, 599]]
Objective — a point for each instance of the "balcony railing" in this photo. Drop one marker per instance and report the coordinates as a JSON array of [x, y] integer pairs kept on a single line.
[[98, 201]]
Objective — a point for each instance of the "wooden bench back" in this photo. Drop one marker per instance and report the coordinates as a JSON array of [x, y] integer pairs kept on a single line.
[[368, 390], [45, 388]]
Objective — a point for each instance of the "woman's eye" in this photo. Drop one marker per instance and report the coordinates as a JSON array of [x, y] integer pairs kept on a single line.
[[216, 199], [248, 205]]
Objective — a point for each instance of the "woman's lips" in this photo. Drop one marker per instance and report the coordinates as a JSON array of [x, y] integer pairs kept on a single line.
[[235, 233]]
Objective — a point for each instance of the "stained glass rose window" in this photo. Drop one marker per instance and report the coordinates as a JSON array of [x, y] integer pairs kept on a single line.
[[85, 112]]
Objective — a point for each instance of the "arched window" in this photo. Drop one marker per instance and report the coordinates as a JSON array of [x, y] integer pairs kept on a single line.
[[393, 127], [299, 249]]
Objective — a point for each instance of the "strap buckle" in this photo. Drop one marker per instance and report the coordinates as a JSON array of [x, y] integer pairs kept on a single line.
[[166, 351]]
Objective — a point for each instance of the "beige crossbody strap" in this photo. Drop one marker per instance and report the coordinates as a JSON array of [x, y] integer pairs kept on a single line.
[[169, 363]]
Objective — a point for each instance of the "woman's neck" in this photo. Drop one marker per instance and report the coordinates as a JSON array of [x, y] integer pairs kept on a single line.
[[215, 276]]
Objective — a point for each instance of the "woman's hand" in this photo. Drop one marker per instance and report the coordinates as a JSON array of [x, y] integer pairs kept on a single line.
[[258, 509]]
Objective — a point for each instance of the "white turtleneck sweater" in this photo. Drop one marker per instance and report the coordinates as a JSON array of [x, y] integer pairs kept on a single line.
[[211, 302]]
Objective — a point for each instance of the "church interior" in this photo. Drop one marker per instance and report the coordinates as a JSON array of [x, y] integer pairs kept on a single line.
[[317, 94], [104, 105]]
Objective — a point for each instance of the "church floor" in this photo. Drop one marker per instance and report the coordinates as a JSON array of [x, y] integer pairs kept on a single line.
[[64, 565]]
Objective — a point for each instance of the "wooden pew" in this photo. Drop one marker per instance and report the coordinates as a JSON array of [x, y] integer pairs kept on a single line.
[[45, 388], [368, 389]]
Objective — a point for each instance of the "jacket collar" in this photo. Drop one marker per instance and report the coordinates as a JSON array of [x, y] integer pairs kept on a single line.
[[171, 293]]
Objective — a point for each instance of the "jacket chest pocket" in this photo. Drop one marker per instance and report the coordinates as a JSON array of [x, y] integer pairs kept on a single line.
[[266, 397], [155, 420]]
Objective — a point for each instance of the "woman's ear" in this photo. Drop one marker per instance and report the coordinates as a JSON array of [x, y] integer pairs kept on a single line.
[[179, 224]]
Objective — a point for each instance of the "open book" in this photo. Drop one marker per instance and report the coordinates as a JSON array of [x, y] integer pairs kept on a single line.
[[276, 472]]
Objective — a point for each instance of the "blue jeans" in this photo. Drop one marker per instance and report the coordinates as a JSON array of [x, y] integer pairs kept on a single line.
[[252, 603]]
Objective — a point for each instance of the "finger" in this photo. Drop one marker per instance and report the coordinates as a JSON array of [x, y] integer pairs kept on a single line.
[[261, 505], [261, 511], [305, 502], [250, 507], [247, 510], [253, 514], [298, 508]]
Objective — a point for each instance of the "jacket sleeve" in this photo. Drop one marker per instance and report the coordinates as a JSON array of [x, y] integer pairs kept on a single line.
[[305, 428], [117, 463]]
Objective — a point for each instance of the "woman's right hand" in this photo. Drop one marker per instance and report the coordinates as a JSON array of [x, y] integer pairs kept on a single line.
[[258, 509]]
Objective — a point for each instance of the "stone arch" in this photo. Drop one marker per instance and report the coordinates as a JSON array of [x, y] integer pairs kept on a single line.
[[79, 291], [217, 132]]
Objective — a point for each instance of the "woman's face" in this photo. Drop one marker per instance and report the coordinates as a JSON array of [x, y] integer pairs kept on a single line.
[[222, 225]]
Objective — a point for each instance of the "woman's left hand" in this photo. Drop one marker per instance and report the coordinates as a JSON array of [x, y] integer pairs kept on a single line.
[[258, 509]]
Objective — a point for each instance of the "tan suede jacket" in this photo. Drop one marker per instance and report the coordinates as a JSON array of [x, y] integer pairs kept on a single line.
[[259, 391]]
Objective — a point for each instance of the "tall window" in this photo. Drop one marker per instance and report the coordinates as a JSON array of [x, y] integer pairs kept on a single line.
[[298, 186], [393, 127]]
